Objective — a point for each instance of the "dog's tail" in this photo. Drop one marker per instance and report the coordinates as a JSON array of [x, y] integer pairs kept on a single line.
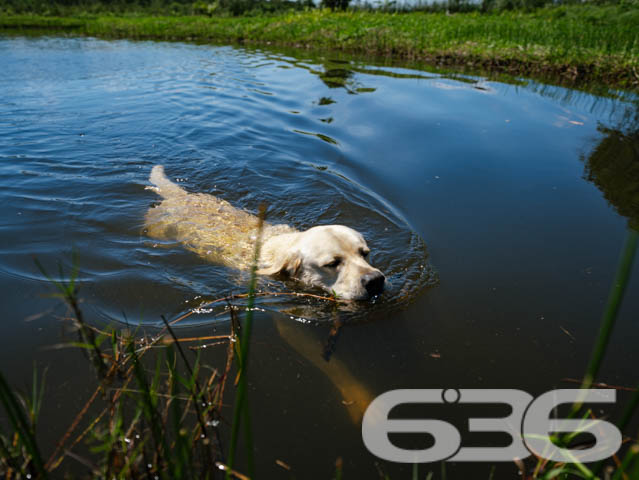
[[165, 187]]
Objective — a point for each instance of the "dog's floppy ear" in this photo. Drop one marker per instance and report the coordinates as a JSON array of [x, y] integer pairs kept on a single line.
[[287, 265]]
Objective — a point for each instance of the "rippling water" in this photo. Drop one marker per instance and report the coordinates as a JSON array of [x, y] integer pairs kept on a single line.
[[521, 192], [222, 121]]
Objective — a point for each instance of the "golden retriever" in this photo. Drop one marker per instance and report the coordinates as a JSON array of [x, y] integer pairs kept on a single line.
[[332, 257]]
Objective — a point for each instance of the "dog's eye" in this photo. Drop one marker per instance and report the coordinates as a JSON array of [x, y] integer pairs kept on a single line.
[[364, 253], [334, 264]]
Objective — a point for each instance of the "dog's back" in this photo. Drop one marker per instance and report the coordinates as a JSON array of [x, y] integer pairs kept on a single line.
[[204, 224]]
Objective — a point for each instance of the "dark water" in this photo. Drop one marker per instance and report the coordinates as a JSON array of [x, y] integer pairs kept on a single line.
[[497, 211]]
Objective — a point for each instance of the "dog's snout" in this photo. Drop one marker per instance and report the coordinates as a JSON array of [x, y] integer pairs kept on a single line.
[[373, 282]]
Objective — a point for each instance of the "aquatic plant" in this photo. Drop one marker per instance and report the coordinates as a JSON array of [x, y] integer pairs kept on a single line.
[[159, 411], [162, 424]]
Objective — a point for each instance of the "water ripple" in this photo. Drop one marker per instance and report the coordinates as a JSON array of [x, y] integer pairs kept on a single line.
[[80, 141]]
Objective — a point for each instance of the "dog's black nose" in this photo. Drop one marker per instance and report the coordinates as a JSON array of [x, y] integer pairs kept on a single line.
[[373, 283]]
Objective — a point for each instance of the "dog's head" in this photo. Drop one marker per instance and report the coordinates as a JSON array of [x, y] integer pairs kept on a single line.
[[332, 257]]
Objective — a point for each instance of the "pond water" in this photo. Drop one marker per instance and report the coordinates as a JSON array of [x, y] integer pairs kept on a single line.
[[497, 211]]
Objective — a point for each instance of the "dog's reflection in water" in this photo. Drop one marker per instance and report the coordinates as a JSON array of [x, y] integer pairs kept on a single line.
[[355, 395]]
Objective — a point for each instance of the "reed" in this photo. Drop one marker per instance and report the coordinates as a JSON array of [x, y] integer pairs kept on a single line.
[[160, 423], [241, 408], [572, 43], [20, 452], [159, 408]]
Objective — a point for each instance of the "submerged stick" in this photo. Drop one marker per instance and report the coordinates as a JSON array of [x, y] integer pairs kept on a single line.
[[255, 294]]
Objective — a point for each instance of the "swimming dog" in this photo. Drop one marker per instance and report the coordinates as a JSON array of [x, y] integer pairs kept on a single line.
[[332, 257]]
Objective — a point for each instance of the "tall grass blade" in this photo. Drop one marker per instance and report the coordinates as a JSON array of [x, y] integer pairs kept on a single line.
[[182, 449], [492, 472], [632, 455], [19, 422], [615, 297], [69, 293], [240, 407], [147, 403], [195, 390], [614, 300]]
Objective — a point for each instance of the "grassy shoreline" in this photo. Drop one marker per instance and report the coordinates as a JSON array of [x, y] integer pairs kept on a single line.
[[573, 45]]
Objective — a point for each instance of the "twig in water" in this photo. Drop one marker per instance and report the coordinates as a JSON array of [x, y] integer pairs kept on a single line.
[[256, 294], [600, 385]]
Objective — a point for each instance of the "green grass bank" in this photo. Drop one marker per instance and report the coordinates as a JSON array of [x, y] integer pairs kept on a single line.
[[574, 44]]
